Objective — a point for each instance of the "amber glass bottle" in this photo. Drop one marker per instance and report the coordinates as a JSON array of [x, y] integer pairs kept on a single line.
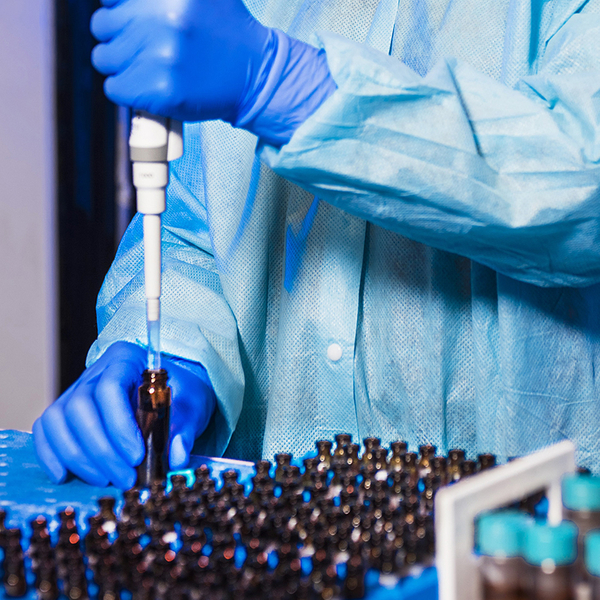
[[581, 498], [152, 415], [592, 562], [551, 553], [500, 540]]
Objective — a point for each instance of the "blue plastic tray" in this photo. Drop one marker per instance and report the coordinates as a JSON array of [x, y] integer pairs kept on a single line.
[[26, 492]]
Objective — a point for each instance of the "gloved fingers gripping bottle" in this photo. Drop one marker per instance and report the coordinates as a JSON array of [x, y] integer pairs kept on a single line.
[[153, 143]]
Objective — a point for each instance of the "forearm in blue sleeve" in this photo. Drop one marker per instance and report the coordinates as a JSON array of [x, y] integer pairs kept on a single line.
[[507, 177]]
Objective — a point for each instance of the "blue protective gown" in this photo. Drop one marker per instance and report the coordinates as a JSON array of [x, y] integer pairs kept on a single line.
[[437, 220]]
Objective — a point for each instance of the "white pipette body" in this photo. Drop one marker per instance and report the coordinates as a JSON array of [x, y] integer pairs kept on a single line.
[[153, 143]]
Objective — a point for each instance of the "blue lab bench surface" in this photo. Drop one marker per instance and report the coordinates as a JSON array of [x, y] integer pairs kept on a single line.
[[26, 492]]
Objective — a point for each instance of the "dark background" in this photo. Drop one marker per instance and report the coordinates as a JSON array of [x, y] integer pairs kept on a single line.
[[87, 229]]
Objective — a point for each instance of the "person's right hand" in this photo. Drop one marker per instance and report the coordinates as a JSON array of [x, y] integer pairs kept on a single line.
[[91, 429], [187, 59], [199, 60]]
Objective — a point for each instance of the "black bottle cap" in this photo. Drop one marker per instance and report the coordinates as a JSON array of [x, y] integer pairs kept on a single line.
[[456, 455], [343, 439], [469, 467], [371, 443], [283, 459], [427, 450], [486, 461], [399, 447]]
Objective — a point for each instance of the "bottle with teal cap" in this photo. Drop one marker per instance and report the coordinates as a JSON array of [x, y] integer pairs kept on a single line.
[[551, 552], [581, 499], [592, 562], [500, 537]]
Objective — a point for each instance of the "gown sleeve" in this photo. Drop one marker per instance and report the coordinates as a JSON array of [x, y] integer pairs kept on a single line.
[[509, 177]]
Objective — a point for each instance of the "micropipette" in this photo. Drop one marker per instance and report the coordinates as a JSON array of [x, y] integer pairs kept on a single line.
[[153, 143]]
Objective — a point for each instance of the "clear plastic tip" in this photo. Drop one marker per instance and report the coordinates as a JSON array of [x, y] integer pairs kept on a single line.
[[153, 344]]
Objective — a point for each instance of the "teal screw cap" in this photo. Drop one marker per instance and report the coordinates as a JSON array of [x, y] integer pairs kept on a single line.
[[545, 542], [581, 492], [592, 552], [501, 534]]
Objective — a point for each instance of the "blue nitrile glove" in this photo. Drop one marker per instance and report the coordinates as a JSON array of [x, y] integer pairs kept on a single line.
[[197, 60], [91, 429]]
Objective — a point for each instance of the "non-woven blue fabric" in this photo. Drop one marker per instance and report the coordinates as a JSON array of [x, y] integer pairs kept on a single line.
[[437, 219]]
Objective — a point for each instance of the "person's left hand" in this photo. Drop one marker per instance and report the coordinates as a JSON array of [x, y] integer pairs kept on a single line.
[[91, 429]]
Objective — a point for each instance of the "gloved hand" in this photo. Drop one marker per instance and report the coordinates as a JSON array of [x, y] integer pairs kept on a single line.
[[198, 60], [91, 429]]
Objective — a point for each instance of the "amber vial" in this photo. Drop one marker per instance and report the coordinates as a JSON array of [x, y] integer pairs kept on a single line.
[[152, 415], [551, 553], [581, 498], [500, 540], [592, 563]]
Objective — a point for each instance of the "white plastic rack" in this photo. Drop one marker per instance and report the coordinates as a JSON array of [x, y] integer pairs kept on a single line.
[[457, 506]]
